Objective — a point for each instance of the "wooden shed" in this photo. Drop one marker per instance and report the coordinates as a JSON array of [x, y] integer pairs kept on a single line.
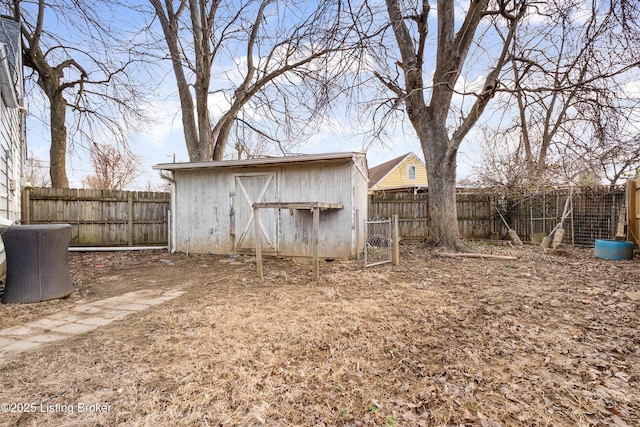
[[214, 205]]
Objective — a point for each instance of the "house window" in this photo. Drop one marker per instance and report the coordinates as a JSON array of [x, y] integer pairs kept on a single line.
[[411, 172]]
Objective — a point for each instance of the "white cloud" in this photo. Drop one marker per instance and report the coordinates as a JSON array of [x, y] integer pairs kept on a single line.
[[632, 89]]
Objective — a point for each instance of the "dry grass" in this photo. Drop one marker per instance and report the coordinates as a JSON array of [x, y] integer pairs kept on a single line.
[[550, 339]]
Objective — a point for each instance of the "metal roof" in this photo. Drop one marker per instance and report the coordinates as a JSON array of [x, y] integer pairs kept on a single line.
[[9, 48], [10, 35], [259, 161]]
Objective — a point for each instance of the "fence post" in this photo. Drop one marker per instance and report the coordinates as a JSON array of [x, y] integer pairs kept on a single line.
[[631, 212], [130, 220], [395, 236], [258, 239], [25, 216], [357, 223]]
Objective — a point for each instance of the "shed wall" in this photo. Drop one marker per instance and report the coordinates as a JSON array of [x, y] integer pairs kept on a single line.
[[202, 211], [211, 208], [324, 182], [361, 202]]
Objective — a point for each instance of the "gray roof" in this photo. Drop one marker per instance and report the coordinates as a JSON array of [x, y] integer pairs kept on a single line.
[[10, 75], [259, 161], [10, 35]]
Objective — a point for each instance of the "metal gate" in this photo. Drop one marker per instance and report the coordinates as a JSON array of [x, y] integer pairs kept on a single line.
[[377, 249]]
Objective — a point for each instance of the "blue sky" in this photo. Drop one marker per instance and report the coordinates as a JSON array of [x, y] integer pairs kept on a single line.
[[163, 140]]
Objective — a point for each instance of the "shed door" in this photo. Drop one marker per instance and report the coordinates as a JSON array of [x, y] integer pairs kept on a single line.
[[250, 189]]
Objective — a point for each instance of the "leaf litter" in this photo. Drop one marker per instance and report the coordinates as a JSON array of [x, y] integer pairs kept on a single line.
[[548, 339]]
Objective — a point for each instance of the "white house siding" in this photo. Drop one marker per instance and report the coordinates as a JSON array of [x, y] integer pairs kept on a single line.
[[206, 222], [11, 158], [12, 119]]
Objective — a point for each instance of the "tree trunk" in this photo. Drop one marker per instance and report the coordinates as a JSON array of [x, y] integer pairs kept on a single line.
[[443, 217], [441, 174], [190, 129], [430, 119], [205, 143], [221, 136], [58, 150], [170, 28]]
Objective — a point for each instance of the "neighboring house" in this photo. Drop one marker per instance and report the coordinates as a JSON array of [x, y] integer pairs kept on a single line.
[[213, 205], [405, 172], [12, 120]]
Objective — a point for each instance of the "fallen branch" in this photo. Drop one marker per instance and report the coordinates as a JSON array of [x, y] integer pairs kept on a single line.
[[474, 255], [215, 281]]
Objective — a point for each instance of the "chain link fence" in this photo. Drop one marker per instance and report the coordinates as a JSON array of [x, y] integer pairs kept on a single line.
[[378, 248], [585, 214]]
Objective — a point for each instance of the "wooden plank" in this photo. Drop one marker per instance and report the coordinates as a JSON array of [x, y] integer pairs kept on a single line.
[[316, 242], [395, 235], [26, 206], [632, 206], [476, 255], [620, 234], [130, 230], [298, 205], [258, 241]]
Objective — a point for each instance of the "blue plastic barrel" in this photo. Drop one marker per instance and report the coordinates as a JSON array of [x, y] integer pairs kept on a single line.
[[613, 249]]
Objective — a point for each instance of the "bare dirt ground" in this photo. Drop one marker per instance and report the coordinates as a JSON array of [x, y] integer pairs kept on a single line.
[[552, 338]]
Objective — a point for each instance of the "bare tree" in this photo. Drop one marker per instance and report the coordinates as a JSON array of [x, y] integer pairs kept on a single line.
[[501, 164], [610, 148], [441, 124], [83, 65], [114, 168], [573, 115], [254, 53], [35, 171]]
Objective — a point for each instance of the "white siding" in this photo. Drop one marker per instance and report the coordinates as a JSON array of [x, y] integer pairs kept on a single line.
[[12, 120], [11, 158], [361, 203]]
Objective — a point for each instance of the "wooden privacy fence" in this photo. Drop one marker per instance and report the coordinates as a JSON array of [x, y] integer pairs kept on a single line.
[[101, 217], [476, 214], [129, 218]]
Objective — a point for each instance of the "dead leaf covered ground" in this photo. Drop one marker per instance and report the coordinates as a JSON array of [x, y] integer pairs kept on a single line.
[[549, 339]]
